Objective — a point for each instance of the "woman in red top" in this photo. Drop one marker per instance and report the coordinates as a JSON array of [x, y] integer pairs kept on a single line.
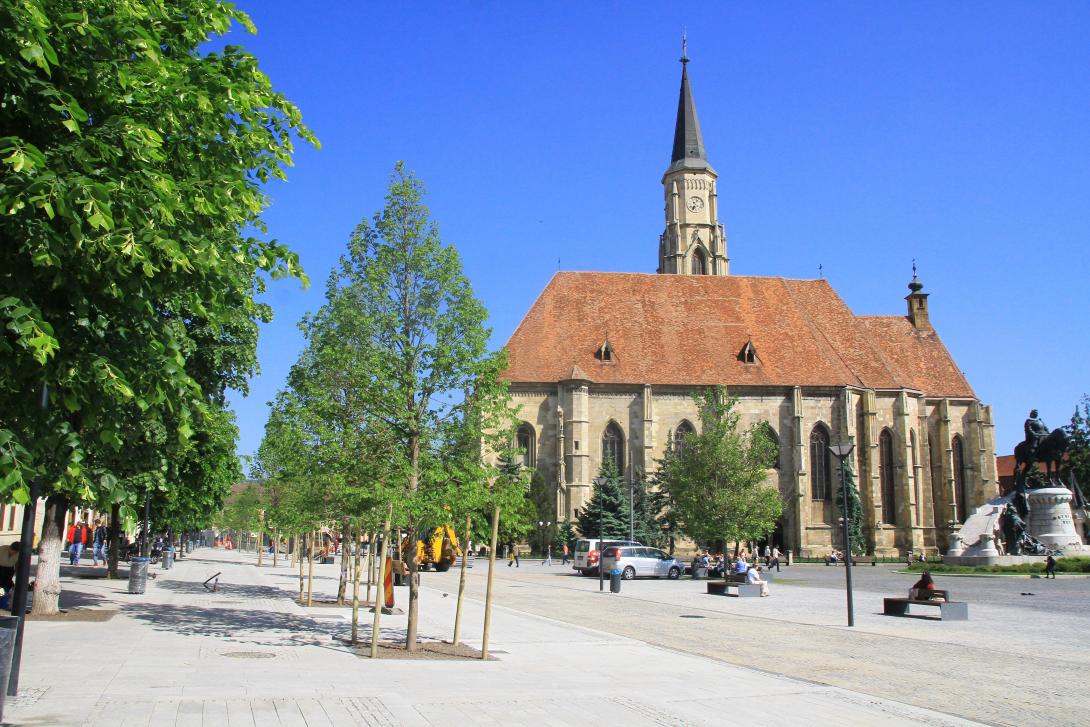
[[923, 589]]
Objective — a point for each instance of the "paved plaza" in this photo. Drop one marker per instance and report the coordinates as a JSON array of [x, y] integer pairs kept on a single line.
[[659, 653]]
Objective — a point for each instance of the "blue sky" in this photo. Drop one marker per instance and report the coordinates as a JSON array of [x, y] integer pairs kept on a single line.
[[855, 136]]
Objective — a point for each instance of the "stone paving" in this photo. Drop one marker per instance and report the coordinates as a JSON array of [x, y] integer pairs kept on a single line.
[[1015, 662], [249, 655]]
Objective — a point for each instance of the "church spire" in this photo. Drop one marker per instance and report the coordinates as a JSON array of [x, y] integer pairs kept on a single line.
[[688, 150], [693, 242]]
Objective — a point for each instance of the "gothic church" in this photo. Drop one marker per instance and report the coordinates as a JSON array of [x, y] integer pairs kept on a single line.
[[605, 365]]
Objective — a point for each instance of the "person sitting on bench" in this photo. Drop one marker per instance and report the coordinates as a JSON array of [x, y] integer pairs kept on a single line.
[[753, 577], [923, 589]]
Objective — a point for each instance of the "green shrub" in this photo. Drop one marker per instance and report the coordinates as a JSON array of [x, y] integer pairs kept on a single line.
[[1074, 564]]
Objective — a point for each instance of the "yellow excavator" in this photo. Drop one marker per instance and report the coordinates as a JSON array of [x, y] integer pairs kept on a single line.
[[437, 548]]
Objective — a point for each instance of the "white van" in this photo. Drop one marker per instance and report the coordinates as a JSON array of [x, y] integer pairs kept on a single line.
[[587, 553]]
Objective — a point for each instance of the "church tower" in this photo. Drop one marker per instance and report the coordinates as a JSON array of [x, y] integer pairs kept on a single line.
[[694, 242]]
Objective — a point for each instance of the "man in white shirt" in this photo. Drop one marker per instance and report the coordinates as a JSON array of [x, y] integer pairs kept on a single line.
[[753, 577]]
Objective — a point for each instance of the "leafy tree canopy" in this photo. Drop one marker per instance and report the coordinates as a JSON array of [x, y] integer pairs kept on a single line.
[[716, 485], [131, 165]]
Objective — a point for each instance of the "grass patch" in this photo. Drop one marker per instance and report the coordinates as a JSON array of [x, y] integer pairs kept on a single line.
[[1078, 564]]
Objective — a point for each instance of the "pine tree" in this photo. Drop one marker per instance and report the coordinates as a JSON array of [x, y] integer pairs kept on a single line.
[[1078, 451], [607, 510], [649, 506], [855, 510]]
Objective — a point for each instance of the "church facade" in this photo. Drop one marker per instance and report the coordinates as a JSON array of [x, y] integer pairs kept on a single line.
[[605, 365]]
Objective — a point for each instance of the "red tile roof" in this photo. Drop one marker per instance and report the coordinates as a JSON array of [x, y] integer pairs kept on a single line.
[[685, 330]]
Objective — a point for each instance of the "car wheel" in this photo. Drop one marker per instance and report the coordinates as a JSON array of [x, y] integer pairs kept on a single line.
[[675, 573], [629, 573]]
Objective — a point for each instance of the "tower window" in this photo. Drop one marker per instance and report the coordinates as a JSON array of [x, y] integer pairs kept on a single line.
[[699, 265]]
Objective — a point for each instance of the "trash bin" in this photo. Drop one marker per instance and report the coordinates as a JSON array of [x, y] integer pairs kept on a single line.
[[9, 627], [615, 580], [168, 558], [138, 574]]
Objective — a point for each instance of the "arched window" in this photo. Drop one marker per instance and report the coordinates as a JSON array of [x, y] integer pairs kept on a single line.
[[613, 447], [820, 464], [699, 263], [885, 472], [526, 441], [775, 439], [683, 430], [915, 474], [960, 479]]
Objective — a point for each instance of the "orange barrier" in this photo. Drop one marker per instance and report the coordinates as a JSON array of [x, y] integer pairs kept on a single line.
[[388, 582]]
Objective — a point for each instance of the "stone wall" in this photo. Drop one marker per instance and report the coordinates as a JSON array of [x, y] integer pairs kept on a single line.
[[569, 418]]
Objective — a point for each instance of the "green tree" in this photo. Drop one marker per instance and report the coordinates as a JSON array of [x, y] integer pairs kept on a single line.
[[716, 485], [855, 510], [649, 508], [419, 337], [606, 515], [131, 170], [1078, 451]]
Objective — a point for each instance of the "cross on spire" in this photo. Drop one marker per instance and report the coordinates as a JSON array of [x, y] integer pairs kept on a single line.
[[684, 49]]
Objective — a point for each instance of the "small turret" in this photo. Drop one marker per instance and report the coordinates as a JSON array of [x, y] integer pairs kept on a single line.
[[917, 303]]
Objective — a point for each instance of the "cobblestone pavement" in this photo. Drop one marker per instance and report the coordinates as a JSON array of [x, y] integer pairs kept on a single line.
[[248, 655], [1016, 662]]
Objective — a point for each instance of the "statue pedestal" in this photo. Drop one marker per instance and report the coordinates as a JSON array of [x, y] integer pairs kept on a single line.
[[1050, 519]]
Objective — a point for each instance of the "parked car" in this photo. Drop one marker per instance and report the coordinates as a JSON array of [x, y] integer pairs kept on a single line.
[[587, 552], [641, 561]]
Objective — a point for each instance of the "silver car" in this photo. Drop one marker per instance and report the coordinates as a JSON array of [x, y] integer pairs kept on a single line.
[[641, 561]]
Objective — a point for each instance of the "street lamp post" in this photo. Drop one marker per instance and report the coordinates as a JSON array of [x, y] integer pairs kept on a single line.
[[842, 452], [599, 482]]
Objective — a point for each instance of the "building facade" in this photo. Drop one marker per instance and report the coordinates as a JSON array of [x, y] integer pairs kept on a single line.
[[606, 365]]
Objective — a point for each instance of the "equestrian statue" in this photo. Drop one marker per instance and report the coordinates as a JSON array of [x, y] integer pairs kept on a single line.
[[1041, 446]]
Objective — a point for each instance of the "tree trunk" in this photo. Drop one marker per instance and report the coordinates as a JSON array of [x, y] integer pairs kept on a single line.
[[114, 548], [276, 546], [380, 596], [302, 576], [414, 571], [310, 572], [342, 586], [47, 582], [356, 587], [371, 539], [461, 586], [260, 546], [488, 590]]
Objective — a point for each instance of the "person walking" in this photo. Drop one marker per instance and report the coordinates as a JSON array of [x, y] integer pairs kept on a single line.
[[548, 559], [77, 538], [102, 536], [775, 562], [9, 561], [1050, 567], [564, 555]]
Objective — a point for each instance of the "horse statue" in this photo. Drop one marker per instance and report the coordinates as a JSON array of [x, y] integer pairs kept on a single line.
[[1050, 450]]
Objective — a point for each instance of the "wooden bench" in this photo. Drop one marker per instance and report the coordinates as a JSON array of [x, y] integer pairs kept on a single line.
[[737, 583], [948, 610]]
